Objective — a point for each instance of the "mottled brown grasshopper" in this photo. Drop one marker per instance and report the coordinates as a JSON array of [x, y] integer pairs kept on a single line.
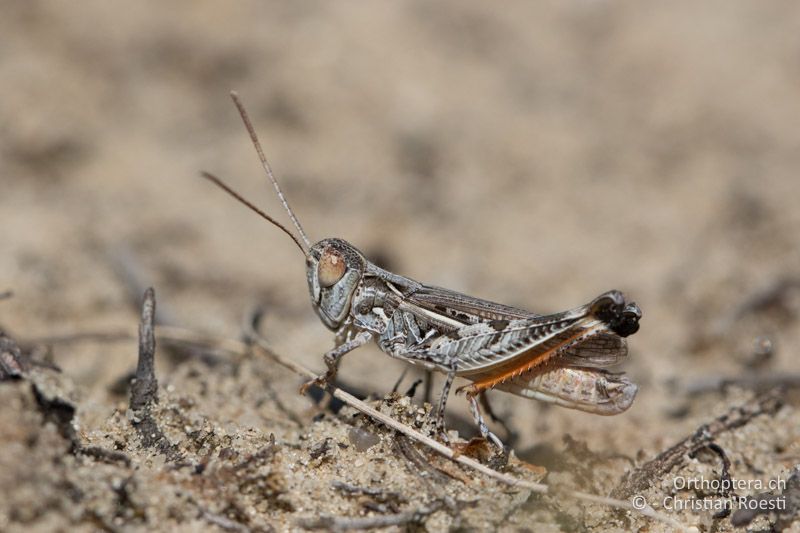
[[559, 358]]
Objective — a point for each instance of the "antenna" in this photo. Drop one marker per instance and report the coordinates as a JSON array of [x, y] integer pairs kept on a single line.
[[221, 184], [267, 168]]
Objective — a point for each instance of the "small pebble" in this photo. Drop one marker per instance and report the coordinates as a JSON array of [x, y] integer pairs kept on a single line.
[[362, 439]]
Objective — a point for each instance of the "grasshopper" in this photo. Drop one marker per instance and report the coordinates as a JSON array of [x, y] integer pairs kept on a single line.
[[559, 358]]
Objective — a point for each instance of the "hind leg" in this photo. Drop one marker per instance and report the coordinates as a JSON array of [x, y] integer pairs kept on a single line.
[[481, 423], [483, 401]]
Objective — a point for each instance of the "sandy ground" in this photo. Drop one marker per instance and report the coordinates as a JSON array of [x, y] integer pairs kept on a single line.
[[536, 155]]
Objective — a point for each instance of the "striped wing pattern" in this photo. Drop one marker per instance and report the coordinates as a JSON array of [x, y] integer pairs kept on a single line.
[[483, 348], [554, 358]]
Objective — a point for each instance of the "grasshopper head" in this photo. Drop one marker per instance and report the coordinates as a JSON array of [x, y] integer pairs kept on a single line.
[[334, 269]]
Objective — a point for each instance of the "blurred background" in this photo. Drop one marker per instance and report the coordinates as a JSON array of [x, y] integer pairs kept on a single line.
[[535, 154]]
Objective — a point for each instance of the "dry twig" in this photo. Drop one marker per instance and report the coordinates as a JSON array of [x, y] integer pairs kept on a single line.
[[758, 382], [725, 475], [338, 523], [416, 463], [223, 522], [144, 389], [647, 474], [378, 494]]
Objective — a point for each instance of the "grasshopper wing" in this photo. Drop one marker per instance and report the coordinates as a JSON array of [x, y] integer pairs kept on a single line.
[[589, 335], [462, 308]]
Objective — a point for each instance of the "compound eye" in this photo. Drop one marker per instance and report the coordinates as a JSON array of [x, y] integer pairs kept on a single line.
[[331, 268]]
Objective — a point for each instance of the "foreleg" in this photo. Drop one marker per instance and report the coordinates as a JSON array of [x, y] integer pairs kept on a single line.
[[333, 357]]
